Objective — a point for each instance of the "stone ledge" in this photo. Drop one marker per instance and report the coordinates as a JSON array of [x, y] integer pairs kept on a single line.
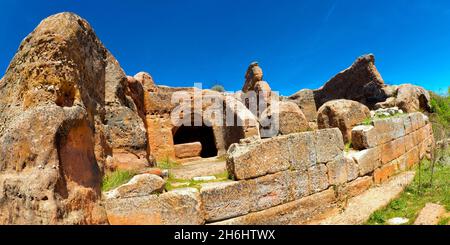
[[178, 207], [303, 211]]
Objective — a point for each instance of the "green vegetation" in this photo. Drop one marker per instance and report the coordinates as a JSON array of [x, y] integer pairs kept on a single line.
[[440, 107], [167, 164], [173, 183], [348, 146], [218, 88], [444, 221], [116, 179], [421, 191], [370, 120]]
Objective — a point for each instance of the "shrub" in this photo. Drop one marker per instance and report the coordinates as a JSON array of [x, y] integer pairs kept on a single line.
[[218, 88]]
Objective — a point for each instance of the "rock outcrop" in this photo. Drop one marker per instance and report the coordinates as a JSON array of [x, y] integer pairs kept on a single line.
[[252, 77], [64, 109], [284, 118], [407, 97], [361, 82], [342, 114], [305, 101]]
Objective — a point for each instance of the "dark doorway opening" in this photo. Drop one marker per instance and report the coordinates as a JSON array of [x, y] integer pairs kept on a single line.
[[202, 134]]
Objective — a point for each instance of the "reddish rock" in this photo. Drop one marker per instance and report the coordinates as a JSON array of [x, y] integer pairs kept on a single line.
[[53, 140], [254, 74], [305, 100], [188, 150], [382, 174], [356, 187], [361, 82], [342, 114], [392, 150], [411, 98]]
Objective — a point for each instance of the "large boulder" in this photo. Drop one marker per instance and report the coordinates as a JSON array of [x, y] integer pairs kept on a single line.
[[305, 100], [342, 114], [125, 126], [284, 118], [65, 108], [411, 98], [361, 82], [53, 142]]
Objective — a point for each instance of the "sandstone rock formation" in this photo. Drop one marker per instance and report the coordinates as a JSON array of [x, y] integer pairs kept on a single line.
[[67, 112], [361, 82], [53, 138], [252, 77], [342, 114], [305, 101], [409, 98], [284, 118], [139, 185]]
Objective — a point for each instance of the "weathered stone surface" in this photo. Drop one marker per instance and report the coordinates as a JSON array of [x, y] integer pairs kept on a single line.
[[412, 157], [318, 178], [364, 137], [188, 150], [303, 211], [270, 190], [305, 101], [126, 129], [300, 184], [342, 114], [256, 159], [356, 187], [411, 98], [286, 117], [418, 120], [367, 160], [409, 141], [159, 129], [139, 185], [389, 129], [296, 151], [254, 74], [382, 174], [337, 171], [352, 167], [329, 143], [178, 207], [392, 150], [225, 200], [302, 150], [52, 137], [361, 82], [430, 214], [124, 160]]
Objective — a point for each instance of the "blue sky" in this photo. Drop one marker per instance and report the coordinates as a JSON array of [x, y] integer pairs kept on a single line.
[[299, 44]]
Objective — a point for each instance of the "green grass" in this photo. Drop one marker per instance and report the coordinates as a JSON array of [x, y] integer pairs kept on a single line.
[[417, 194], [348, 146], [167, 164], [444, 221], [115, 179], [440, 106], [173, 183], [370, 120]]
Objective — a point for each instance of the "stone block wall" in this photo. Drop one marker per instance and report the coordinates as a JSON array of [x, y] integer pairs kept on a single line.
[[392, 145], [294, 179]]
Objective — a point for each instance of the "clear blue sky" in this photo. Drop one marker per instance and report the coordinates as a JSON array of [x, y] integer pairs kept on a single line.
[[299, 44]]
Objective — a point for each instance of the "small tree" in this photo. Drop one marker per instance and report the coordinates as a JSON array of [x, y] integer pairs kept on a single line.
[[218, 88]]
